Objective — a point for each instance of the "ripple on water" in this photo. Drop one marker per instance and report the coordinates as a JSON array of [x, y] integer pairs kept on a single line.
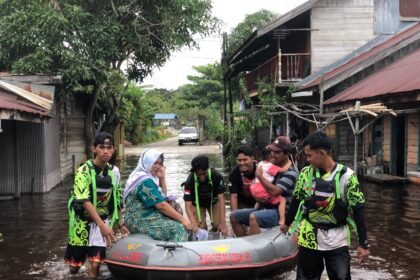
[[35, 228]]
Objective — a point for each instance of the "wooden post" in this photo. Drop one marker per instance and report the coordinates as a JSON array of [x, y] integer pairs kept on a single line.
[[224, 103], [201, 124], [279, 65], [230, 105], [271, 128], [356, 136], [16, 163], [287, 125], [321, 96]]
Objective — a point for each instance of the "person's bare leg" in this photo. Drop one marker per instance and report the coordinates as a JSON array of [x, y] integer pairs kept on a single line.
[[254, 227], [74, 269], [216, 217], [237, 228], [93, 269]]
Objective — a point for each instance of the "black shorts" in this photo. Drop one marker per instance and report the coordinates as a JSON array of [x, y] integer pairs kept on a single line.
[[76, 255]]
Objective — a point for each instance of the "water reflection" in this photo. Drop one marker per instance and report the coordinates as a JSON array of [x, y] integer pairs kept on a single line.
[[35, 228]]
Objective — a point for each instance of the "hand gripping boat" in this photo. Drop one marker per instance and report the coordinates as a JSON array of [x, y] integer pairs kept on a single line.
[[140, 257]]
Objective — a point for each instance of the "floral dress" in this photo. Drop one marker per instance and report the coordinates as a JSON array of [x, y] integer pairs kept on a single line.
[[141, 215]]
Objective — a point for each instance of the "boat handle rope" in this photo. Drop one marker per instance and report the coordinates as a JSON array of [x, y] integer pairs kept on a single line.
[[173, 245]]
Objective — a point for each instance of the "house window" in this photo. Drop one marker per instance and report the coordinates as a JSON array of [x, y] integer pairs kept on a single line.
[[377, 137]]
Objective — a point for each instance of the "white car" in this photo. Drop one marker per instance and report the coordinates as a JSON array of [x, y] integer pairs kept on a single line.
[[188, 135]]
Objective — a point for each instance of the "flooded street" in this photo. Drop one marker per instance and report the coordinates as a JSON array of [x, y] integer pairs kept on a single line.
[[34, 228]]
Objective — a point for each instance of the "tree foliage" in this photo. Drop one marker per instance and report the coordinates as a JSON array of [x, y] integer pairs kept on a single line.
[[245, 28], [89, 41]]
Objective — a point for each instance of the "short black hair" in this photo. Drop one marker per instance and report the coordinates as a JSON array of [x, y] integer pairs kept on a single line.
[[101, 137], [246, 150], [265, 153], [318, 141], [200, 162]]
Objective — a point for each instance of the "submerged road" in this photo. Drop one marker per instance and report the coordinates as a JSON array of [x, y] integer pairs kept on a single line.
[[35, 227]]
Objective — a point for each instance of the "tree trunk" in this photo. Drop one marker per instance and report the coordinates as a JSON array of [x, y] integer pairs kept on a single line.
[[89, 128]]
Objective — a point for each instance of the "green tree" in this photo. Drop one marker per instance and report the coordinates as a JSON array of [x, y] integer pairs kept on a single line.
[[245, 28], [87, 42]]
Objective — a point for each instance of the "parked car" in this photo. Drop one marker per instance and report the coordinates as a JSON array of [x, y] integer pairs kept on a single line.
[[188, 135]]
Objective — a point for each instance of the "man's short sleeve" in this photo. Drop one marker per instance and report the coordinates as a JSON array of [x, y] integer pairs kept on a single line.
[[218, 183], [81, 184], [302, 183], [355, 196], [233, 183], [287, 180], [188, 188], [117, 176]]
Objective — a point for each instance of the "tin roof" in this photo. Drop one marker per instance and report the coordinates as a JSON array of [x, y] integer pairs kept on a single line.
[[398, 77], [371, 49], [10, 101]]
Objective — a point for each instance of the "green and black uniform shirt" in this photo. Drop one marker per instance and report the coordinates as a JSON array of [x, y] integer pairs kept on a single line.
[[107, 196], [207, 193], [316, 238]]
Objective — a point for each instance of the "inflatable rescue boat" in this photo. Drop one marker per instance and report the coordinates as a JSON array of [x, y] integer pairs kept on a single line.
[[141, 257]]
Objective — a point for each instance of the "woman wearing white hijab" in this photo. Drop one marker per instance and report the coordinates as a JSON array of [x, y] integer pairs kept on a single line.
[[146, 209]]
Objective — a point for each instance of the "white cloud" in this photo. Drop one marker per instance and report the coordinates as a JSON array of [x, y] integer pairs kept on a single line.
[[174, 73]]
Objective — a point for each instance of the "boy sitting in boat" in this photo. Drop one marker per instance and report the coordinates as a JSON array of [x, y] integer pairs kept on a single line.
[[263, 198], [204, 192]]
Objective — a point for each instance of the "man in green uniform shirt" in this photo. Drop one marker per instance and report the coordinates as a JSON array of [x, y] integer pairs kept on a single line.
[[325, 194], [94, 206]]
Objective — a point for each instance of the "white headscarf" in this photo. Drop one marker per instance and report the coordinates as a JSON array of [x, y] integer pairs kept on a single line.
[[142, 172]]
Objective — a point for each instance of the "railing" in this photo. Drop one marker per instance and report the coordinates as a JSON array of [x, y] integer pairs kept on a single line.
[[267, 72], [294, 67]]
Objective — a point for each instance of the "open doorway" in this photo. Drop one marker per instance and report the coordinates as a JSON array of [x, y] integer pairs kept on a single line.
[[398, 145]]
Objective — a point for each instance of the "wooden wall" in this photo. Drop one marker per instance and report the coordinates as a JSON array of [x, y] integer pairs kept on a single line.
[[412, 142], [340, 27], [387, 139]]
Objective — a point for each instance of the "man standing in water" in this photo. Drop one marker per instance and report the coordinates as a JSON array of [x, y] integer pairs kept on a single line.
[[94, 205], [324, 194]]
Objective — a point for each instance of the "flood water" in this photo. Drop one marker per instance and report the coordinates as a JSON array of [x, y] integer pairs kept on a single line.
[[34, 229]]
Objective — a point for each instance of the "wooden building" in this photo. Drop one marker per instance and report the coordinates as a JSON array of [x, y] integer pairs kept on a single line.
[[42, 134]]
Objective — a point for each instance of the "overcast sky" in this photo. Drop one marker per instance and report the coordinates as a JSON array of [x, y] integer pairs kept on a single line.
[[174, 73]]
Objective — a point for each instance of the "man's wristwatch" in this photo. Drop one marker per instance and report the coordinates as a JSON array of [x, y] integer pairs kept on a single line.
[[365, 245]]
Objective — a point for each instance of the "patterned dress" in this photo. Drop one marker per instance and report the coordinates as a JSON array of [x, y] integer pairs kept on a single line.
[[141, 215]]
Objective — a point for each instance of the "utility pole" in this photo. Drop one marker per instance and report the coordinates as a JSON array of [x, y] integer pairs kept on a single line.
[[223, 63]]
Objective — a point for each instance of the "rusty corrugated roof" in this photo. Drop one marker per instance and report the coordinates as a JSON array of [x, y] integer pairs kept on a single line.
[[401, 76], [330, 73], [12, 102]]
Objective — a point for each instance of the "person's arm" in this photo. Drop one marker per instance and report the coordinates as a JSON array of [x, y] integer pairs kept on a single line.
[[268, 186], [233, 201], [162, 181], [169, 211], [106, 231], [356, 201], [282, 215], [121, 226], [222, 206], [191, 216], [298, 194]]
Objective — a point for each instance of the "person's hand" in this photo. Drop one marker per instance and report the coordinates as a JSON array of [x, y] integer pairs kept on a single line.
[[259, 172], [283, 227], [108, 234], [187, 224], [194, 228], [162, 172], [223, 229], [362, 254], [124, 230]]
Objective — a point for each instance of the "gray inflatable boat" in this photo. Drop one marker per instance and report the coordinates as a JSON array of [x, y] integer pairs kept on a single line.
[[140, 257]]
